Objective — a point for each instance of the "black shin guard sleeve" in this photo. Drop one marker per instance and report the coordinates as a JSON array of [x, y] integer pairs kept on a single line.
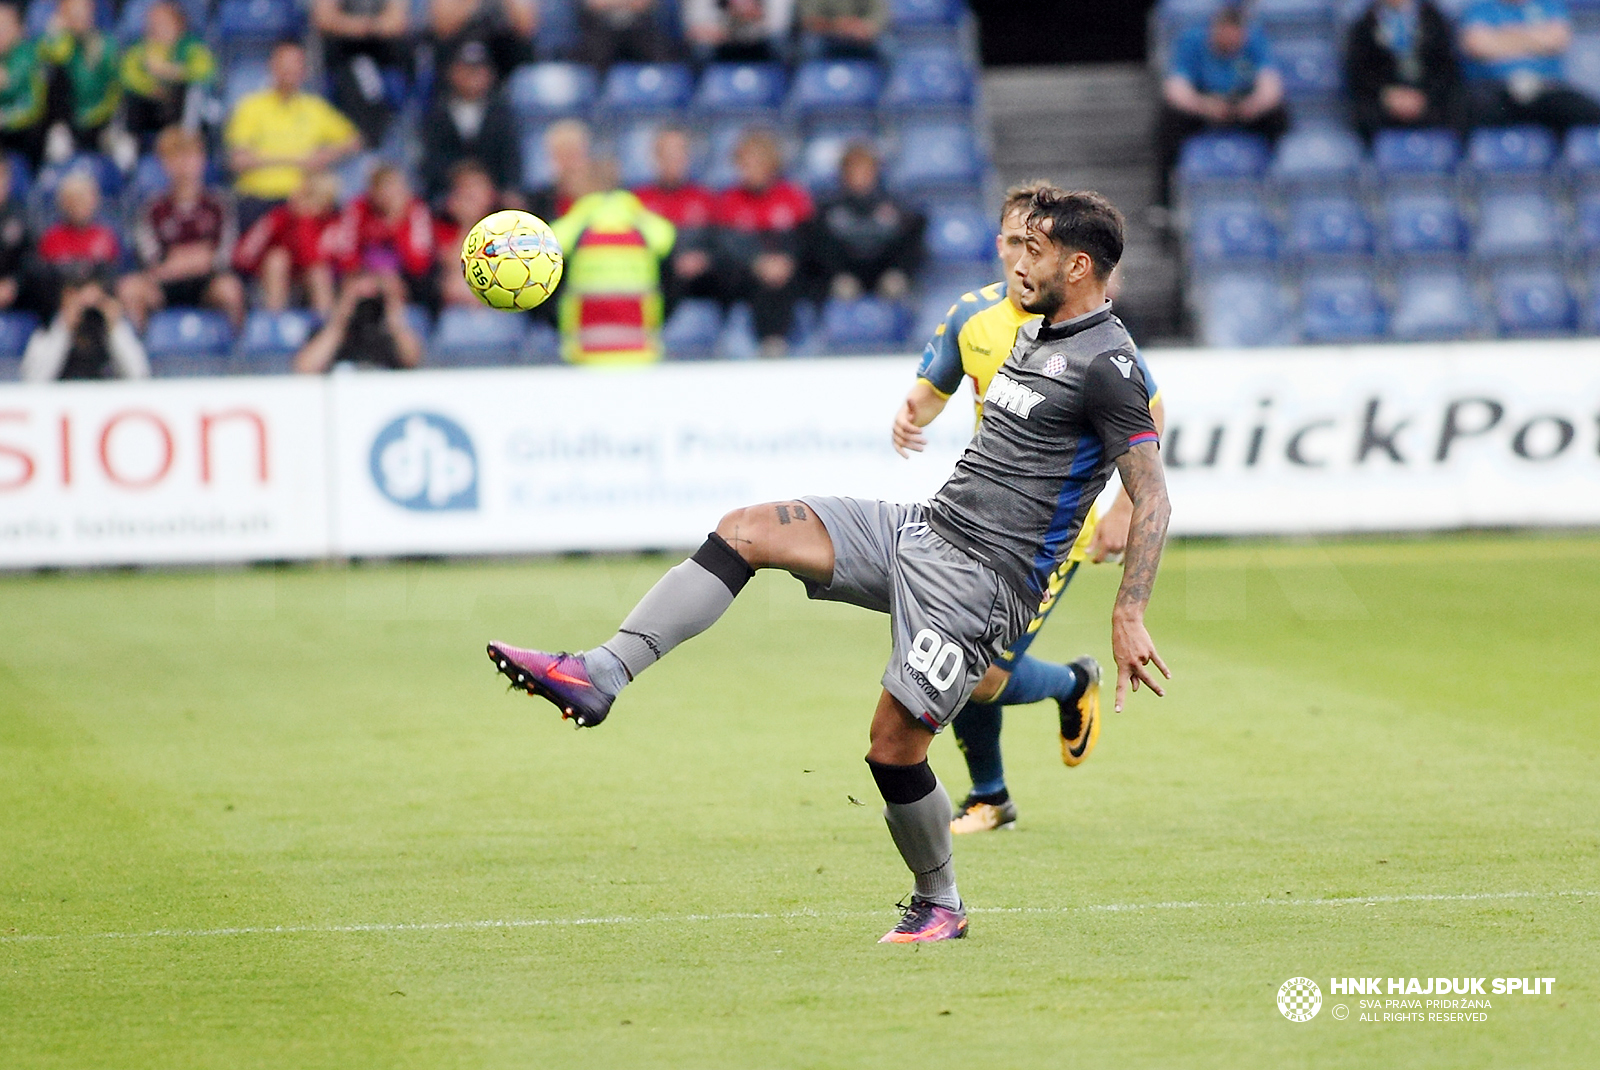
[[903, 783], [723, 562]]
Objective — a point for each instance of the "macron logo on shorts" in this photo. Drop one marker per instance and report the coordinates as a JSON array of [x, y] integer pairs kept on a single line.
[[1011, 396]]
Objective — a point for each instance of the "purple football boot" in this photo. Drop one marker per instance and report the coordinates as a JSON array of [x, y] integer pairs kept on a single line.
[[561, 678], [925, 921]]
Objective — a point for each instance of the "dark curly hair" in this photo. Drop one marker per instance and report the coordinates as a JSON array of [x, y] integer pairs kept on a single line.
[[1083, 221]]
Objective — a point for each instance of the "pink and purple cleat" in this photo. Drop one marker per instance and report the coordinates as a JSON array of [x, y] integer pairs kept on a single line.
[[925, 921], [560, 678]]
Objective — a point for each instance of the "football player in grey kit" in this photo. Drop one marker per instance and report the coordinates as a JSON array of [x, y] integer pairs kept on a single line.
[[959, 576]]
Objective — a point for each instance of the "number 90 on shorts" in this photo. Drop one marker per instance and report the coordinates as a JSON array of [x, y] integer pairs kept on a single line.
[[935, 659]]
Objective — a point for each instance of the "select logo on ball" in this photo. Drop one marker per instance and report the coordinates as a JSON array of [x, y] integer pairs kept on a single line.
[[511, 260], [1299, 999]]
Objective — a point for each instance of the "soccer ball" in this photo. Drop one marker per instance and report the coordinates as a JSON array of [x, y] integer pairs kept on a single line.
[[511, 260]]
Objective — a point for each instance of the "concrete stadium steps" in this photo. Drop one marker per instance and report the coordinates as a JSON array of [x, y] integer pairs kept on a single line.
[[1092, 126]]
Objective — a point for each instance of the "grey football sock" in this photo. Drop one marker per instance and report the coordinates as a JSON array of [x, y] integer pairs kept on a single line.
[[917, 810], [682, 604], [921, 831]]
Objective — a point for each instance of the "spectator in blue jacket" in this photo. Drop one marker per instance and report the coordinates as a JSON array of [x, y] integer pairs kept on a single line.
[[1513, 50], [1220, 77]]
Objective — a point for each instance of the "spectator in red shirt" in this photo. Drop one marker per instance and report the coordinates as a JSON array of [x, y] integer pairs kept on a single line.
[[286, 250], [78, 246], [471, 197], [759, 223], [388, 230], [184, 239], [689, 206]]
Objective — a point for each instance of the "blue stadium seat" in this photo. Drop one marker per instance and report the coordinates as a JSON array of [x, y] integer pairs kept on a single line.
[[1416, 152], [188, 341], [1434, 303], [15, 330], [354, 173], [820, 156], [556, 38], [646, 87], [271, 339], [691, 332], [36, 21], [1341, 306], [242, 77], [1243, 309], [1511, 150], [130, 22], [1329, 227], [1533, 300], [258, 22], [1422, 223], [542, 345], [1303, 15], [935, 156], [915, 13], [476, 337], [149, 179], [928, 77], [539, 90], [867, 324], [1582, 62], [739, 88], [832, 86], [635, 150], [943, 287], [1318, 155], [105, 172], [1227, 158], [1581, 153], [1516, 224], [1310, 67], [21, 176], [1586, 224], [1231, 231], [1589, 314], [960, 231], [537, 170]]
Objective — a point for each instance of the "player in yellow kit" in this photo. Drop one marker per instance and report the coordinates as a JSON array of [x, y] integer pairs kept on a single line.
[[975, 339]]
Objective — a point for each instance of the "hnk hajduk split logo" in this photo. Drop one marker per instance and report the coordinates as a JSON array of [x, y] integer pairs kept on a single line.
[[426, 462], [1299, 999]]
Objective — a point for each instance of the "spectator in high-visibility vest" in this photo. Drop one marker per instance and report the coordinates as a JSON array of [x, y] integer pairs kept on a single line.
[[610, 310]]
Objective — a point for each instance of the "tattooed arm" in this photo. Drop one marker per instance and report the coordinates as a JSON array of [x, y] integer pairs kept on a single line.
[[1131, 645]]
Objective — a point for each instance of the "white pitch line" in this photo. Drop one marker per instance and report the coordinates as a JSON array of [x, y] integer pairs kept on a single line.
[[538, 923]]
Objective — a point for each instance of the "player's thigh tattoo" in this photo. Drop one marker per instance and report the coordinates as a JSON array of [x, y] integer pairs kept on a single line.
[[790, 511]]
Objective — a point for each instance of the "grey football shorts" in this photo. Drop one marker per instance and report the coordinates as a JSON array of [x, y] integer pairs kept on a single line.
[[949, 615]]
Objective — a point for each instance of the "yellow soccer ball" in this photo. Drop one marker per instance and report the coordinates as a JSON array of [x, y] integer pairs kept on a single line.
[[511, 260]]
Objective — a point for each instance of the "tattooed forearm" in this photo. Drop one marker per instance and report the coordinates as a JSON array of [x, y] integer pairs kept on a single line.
[[1147, 531]]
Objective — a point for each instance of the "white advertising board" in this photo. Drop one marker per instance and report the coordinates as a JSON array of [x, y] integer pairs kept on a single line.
[[565, 459], [162, 472], [525, 460], [1382, 438]]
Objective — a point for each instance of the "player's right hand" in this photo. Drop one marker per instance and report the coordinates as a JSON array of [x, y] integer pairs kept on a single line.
[[1133, 650], [906, 434]]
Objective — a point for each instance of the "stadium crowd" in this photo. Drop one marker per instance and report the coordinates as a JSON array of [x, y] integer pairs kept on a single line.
[[194, 182], [1382, 168]]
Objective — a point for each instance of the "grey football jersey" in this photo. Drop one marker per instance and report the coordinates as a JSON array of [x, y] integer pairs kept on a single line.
[[1069, 401]]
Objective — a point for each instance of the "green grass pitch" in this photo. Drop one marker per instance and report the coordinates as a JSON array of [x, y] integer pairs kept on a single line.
[[290, 818]]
